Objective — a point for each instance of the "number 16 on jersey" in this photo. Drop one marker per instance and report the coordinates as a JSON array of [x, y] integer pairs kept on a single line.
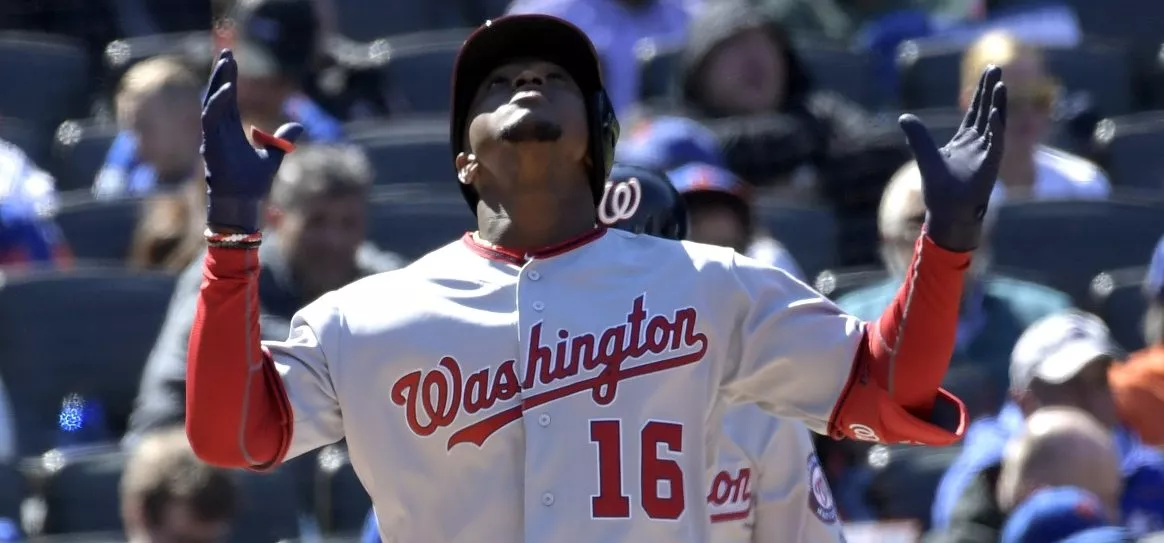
[[660, 475]]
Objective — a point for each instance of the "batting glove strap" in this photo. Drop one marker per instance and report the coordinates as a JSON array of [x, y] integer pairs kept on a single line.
[[233, 241], [239, 213]]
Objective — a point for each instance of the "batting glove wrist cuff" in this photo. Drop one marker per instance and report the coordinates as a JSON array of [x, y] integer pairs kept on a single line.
[[956, 236], [232, 212]]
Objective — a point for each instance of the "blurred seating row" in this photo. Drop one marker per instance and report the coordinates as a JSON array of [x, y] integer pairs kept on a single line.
[[76, 492]]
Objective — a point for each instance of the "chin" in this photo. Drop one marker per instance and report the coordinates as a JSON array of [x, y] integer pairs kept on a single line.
[[529, 125]]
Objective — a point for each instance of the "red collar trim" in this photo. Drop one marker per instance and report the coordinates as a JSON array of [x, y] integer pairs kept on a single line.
[[518, 258]]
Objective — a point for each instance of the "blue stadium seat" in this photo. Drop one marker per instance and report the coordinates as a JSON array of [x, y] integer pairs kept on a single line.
[[809, 234], [1099, 74], [80, 491], [1070, 242], [341, 502], [100, 231], [368, 20], [837, 67], [1129, 148], [1117, 296], [84, 331], [30, 138], [13, 490], [53, 77], [269, 507], [905, 479], [411, 151], [418, 71], [99, 537], [411, 224], [194, 48], [78, 152]]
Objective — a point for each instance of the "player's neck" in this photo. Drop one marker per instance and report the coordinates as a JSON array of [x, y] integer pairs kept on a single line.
[[534, 221]]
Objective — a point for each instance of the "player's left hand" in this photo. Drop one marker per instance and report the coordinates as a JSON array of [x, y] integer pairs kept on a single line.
[[238, 175], [958, 179]]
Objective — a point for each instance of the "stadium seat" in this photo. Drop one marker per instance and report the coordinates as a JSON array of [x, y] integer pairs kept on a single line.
[[411, 224], [53, 76], [835, 66], [1093, 73], [1118, 297], [905, 479], [657, 68], [100, 537], [269, 507], [412, 151], [84, 331], [368, 20], [839, 282], [30, 138], [13, 490], [1129, 148], [78, 151], [80, 491], [342, 504], [100, 231], [809, 234], [194, 48], [1069, 242], [419, 68]]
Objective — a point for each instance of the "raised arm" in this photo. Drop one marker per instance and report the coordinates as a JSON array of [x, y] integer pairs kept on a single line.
[[237, 411]]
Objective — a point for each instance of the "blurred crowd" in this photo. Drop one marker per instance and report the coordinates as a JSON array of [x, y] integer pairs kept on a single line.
[[776, 121]]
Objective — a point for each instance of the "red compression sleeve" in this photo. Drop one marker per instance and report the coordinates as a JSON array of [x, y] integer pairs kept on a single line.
[[237, 413], [904, 355]]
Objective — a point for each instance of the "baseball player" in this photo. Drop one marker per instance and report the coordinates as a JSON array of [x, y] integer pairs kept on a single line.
[[545, 378], [756, 493]]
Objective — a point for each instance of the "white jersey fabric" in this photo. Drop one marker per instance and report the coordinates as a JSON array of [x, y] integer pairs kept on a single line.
[[596, 427], [768, 485], [1060, 175]]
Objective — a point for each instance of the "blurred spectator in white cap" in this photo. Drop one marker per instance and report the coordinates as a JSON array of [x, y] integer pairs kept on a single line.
[[995, 309], [1138, 384], [1060, 361], [620, 29], [1029, 168]]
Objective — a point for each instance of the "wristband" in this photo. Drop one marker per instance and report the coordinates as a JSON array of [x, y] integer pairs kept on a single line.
[[233, 241]]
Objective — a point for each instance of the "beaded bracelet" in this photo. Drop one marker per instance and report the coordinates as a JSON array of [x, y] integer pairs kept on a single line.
[[233, 241]]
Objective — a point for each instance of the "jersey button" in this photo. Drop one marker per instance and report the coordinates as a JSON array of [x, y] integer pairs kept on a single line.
[[544, 420], [538, 306], [547, 499], [534, 275]]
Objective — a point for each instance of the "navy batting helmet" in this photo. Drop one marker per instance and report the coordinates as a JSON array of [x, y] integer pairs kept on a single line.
[[643, 201], [545, 38]]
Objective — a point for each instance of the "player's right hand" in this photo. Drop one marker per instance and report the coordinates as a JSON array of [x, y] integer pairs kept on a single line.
[[238, 175]]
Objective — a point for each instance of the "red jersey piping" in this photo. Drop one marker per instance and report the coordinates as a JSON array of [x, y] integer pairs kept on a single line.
[[519, 258]]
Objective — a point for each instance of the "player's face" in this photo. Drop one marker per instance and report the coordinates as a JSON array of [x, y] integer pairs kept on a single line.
[[320, 240], [531, 103]]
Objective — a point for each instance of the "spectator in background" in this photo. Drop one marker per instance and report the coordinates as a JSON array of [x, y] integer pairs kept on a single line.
[[1138, 384], [28, 201], [158, 111], [1060, 361], [618, 28], [169, 234], [168, 495], [719, 204], [995, 309], [277, 44], [314, 243], [1029, 168], [1061, 447], [1062, 515]]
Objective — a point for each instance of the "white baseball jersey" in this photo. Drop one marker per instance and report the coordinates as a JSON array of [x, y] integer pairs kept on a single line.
[[490, 397], [768, 485]]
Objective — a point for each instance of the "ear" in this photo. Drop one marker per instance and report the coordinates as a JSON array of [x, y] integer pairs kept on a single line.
[[466, 167]]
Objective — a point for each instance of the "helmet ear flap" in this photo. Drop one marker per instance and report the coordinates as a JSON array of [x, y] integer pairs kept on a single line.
[[604, 130]]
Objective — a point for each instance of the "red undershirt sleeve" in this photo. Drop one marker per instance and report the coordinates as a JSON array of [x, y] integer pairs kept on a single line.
[[237, 410]]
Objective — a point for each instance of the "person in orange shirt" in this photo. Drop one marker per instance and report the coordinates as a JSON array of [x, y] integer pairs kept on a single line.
[[1138, 384]]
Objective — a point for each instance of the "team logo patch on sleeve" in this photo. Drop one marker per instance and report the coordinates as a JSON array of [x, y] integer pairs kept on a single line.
[[820, 497]]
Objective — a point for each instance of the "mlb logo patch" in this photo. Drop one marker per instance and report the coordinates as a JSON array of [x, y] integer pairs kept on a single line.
[[820, 497]]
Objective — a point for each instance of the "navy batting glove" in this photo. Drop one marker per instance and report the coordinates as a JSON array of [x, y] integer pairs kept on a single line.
[[238, 175], [958, 179]]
